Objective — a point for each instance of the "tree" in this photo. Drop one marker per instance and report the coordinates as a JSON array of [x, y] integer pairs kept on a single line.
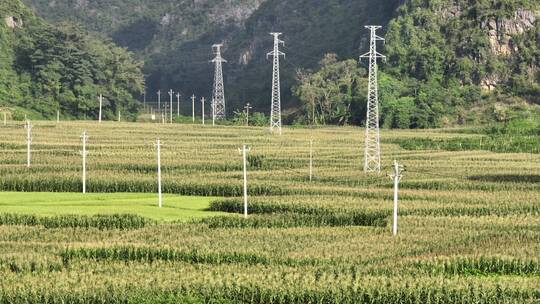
[[328, 96]]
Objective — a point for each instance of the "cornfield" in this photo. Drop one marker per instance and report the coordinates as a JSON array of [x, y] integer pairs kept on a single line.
[[469, 225]]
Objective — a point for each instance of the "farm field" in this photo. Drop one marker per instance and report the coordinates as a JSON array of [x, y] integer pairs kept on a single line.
[[469, 225], [176, 208]]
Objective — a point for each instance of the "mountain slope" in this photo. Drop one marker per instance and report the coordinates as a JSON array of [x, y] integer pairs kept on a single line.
[[453, 55], [175, 37], [447, 60], [44, 68]]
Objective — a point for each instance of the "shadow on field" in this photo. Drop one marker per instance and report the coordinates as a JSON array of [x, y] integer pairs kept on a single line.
[[502, 178]]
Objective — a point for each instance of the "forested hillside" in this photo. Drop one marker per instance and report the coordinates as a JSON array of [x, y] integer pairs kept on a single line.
[[45, 68], [448, 62], [175, 37], [447, 58]]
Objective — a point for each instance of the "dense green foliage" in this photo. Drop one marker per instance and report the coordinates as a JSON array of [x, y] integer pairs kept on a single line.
[[335, 94], [440, 54], [519, 135], [442, 62], [46, 68]]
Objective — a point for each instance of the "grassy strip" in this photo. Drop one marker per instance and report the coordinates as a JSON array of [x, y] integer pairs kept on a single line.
[[504, 144], [272, 215], [194, 256], [102, 222], [481, 266]]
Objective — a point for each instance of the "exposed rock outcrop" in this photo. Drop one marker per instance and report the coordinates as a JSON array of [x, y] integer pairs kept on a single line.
[[13, 22], [501, 30], [452, 11]]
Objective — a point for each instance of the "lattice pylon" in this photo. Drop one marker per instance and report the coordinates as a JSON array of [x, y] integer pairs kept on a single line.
[[372, 157], [219, 87], [275, 113]]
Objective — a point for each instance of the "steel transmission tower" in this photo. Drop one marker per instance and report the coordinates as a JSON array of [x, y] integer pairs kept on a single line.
[[275, 114], [219, 88], [372, 140]]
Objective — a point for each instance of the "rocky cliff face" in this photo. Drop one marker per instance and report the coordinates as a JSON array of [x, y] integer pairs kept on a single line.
[[157, 22], [13, 22], [501, 33], [501, 30]]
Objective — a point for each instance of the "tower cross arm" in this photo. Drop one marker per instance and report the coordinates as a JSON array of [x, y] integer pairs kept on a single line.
[[377, 55], [273, 53]]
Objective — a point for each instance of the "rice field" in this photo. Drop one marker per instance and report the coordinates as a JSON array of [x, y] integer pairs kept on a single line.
[[469, 225]]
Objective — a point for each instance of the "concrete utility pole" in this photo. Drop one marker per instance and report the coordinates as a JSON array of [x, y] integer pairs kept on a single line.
[[144, 101], [84, 153], [28, 126], [311, 159], [246, 110], [160, 197], [178, 104], [219, 88], [159, 100], [100, 106], [202, 111], [244, 151], [171, 95], [275, 114], [193, 107], [396, 176], [119, 116], [213, 105], [372, 162]]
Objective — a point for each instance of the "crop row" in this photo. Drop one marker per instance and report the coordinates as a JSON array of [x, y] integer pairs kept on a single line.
[[481, 266], [102, 185], [193, 256], [505, 144], [113, 221], [256, 294], [276, 215], [290, 220], [30, 266]]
